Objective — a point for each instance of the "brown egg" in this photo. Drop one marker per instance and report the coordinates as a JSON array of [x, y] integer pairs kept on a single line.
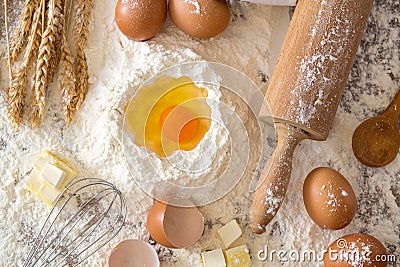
[[133, 253], [140, 20], [356, 250], [200, 18], [178, 224], [329, 198]]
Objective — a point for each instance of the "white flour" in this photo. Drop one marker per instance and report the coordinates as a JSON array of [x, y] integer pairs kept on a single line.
[[93, 143]]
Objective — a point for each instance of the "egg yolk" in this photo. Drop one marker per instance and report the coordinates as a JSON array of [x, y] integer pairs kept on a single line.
[[179, 123], [170, 114]]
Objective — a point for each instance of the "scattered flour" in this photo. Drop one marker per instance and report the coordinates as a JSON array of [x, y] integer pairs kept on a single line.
[[93, 144], [195, 4]]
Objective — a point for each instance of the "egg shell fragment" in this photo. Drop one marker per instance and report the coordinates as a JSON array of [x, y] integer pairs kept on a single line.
[[177, 224], [329, 198], [133, 253], [356, 250], [155, 224]]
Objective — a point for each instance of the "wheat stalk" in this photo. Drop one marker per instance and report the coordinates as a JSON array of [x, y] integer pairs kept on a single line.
[[23, 27], [17, 90], [81, 32], [7, 39], [46, 54]]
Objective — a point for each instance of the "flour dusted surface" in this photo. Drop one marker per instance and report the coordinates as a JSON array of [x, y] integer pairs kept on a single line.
[[93, 143]]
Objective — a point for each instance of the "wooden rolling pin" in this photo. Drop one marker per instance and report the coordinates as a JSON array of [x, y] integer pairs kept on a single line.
[[306, 87]]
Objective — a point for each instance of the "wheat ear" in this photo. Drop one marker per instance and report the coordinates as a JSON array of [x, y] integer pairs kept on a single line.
[[23, 27], [17, 90], [56, 57], [69, 94], [81, 32], [44, 63]]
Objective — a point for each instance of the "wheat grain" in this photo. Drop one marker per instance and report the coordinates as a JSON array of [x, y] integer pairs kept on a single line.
[[81, 31], [56, 57], [16, 95], [69, 94], [44, 69], [23, 27], [37, 29], [82, 77], [17, 90]]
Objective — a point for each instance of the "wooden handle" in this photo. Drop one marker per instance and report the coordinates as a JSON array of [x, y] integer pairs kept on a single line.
[[393, 111], [270, 194]]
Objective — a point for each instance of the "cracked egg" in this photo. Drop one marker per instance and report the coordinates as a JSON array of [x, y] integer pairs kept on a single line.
[[169, 115]]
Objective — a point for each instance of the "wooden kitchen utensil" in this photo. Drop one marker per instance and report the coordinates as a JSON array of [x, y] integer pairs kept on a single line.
[[306, 87], [376, 141]]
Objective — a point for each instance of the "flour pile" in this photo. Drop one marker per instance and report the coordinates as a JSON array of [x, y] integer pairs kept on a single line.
[[93, 143]]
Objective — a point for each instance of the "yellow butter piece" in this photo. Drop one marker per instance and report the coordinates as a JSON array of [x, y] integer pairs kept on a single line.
[[229, 233], [41, 163], [71, 173], [49, 177], [53, 175], [238, 242], [238, 257], [213, 258], [45, 192]]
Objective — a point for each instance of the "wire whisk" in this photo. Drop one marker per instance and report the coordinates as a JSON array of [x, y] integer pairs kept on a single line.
[[86, 216]]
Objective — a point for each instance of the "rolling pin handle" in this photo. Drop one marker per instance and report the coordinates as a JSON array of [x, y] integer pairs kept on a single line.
[[270, 194]]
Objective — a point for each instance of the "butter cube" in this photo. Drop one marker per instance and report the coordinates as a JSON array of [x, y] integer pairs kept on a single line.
[[238, 242], [53, 175], [49, 195], [213, 258], [34, 181], [238, 257], [47, 156], [40, 163], [46, 193], [49, 177], [229, 233]]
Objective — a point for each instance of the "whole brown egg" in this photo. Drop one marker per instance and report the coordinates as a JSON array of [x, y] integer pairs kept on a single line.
[[356, 250], [200, 18], [329, 198], [140, 20]]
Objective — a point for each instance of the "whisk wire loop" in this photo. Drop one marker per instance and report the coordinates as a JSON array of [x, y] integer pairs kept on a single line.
[[86, 216]]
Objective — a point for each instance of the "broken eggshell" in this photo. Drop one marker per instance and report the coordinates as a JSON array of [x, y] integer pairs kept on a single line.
[[177, 224], [133, 253]]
